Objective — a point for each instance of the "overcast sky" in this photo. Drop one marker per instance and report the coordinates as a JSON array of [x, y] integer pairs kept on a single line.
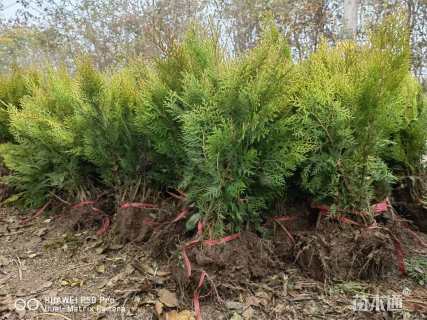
[[9, 8]]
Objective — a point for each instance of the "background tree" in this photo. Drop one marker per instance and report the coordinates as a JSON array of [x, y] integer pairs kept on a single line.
[[116, 31]]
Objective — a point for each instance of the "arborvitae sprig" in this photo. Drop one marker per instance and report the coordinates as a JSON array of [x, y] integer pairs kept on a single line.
[[42, 160], [233, 133], [353, 97], [242, 141], [13, 87], [161, 102], [106, 121]]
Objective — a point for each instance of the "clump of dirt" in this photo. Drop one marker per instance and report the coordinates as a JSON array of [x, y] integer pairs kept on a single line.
[[132, 224], [229, 266], [165, 239], [159, 227], [408, 200], [4, 189], [337, 252], [84, 215], [324, 249], [333, 251], [144, 216]]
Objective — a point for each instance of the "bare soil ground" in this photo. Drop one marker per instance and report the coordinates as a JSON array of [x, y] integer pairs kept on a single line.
[[50, 271]]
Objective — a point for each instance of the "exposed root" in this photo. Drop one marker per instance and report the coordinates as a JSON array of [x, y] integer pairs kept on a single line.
[[337, 254]]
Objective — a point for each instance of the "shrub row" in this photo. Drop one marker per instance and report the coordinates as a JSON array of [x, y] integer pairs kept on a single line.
[[236, 134]]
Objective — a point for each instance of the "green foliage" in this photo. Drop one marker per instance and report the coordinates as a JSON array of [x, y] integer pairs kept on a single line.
[[242, 140], [13, 87], [408, 143], [73, 132], [106, 124], [357, 100], [42, 159], [236, 134], [417, 269], [165, 98]]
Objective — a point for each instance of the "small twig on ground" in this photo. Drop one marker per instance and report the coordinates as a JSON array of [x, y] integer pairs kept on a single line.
[[19, 266], [60, 199], [80, 266], [291, 238], [11, 233], [232, 287], [4, 280], [219, 299], [138, 267], [34, 293], [285, 284], [53, 314]]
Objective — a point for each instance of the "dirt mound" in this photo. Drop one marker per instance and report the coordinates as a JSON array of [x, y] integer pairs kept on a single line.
[[248, 257], [333, 253], [4, 189], [230, 268], [408, 199], [131, 224], [151, 219], [220, 268]]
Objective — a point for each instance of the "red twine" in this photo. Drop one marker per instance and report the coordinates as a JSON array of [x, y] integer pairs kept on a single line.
[[196, 296], [138, 205], [378, 208], [399, 255], [104, 227], [187, 263], [83, 203], [37, 214], [106, 222], [181, 215]]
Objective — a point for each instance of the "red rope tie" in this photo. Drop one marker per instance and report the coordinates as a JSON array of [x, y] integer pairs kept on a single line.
[[106, 222], [196, 296], [399, 255], [83, 203], [138, 205], [37, 214], [181, 215]]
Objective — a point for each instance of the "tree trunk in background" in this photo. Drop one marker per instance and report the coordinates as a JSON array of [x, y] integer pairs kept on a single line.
[[350, 18]]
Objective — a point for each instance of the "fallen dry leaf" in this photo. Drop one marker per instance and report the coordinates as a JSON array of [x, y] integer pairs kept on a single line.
[[129, 269], [248, 313], [252, 301], [168, 298], [158, 306], [115, 246], [4, 261], [233, 305], [162, 273], [183, 315], [41, 232], [71, 282], [100, 250], [263, 297], [119, 277], [100, 268], [45, 285], [236, 316]]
